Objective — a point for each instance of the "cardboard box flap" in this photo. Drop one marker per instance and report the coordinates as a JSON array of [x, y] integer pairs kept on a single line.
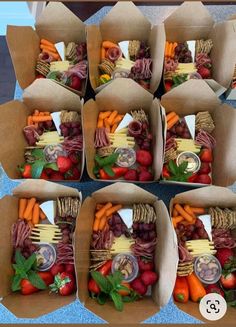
[[190, 97], [124, 93], [13, 119], [46, 95], [207, 196], [42, 189], [125, 22], [224, 164], [216, 87], [189, 21], [166, 256], [23, 44], [57, 23], [223, 53], [123, 193]]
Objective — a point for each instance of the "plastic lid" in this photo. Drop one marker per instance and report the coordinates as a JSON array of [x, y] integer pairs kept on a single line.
[[207, 268], [127, 264], [46, 256]]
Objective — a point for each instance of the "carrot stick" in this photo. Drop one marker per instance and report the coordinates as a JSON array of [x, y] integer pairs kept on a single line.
[[54, 55], [47, 48], [166, 49], [29, 121], [46, 42], [96, 224], [176, 220], [100, 123], [112, 117], [46, 113], [118, 119], [35, 217], [172, 122], [104, 114], [109, 44], [22, 206], [114, 127], [100, 213], [30, 216], [198, 210], [29, 207], [114, 209], [42, 215], [175, 213], [189, 211], [99, 206], [170, 115], [37, 119], [173, 49], [183, 213], [170, 49], [102, 223]]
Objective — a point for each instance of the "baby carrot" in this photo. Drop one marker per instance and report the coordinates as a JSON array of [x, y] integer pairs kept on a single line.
[[22, 206], [99, 206], [198, 210], [170, 49], [29, 208], [109, 44], [172, 122], [113, 209], [30, 216], [29, 121], [175, 213], [96, 224], [100, 123], [46, 42], [102, 223], [189, 211], [176, 220], [112, 117], [170, 115], [47, 48], [114, 127], [42, 215], [118, 119], [100, 213], [37, 119], [166, 48], [35, 217], [183, 213], [104, 114]]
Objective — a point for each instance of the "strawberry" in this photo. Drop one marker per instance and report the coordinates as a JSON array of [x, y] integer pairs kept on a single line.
[[214, 288], [70, 269], [49, 171], [64, 164], [165, 172], [56, 176], [145, 265], [144, 157], [73, 174], [145, 176], [168, 85], [206, 155], [57, 268], [203, 179], [204, 72], [64, 283], [131, 175], [138, 286], [224, 255], [149, 277], [193, 178], [228, 281], [142, 168], [43, 175], [205, 168], [74, 158], [75, 82]]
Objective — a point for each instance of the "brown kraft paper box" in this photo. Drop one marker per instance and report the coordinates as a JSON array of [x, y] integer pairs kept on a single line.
[[37, 304], [192, 21], [206, 197], [125, 22], [123, 95], [44, 95], [194, 96], [56, 24], [166, 255]]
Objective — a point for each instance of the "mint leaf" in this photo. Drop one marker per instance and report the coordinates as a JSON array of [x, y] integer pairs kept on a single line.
[[182, 167], [20, 260], [102, 298], [117, 299], [51, 165], [20, 271], [102, 282], [36, 280], [15, 286], [38, 153], [29, 263], [109, 171], [37, 168], [117, 277], [173, 167]]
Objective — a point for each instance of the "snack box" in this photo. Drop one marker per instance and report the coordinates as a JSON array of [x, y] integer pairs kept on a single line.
[[123, 95], [37, 304], [192, 21], [125, 22], [43, 95], [56, 24], [210, 196], [194, 96], [166, 256]]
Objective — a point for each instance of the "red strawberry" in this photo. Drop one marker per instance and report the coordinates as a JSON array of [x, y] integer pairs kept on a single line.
[[205, 168], [73, 174], [204, 72], [64, 164], [192, 179], [145, 176], [57, 268], [74, 158], [144, 157], [49, 171], [168, 85], [56, 176], [149, 277], [131, 175], [228, 281], [206, 155], [70, 269], [138, 286], [203, 179], [214, 288], [145, 265], [64, 283], [224, 255], [75, 82], [43, 175]]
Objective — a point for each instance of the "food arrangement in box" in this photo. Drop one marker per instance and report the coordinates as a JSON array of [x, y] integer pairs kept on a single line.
[[189, 148], [43, 254], [207, 258], [183, 61], [123, 146], [66, 64], [127, 59], [55, 146], [122, 253]]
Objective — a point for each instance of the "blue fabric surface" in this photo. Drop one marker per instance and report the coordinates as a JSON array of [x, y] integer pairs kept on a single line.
[[75, 312]]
